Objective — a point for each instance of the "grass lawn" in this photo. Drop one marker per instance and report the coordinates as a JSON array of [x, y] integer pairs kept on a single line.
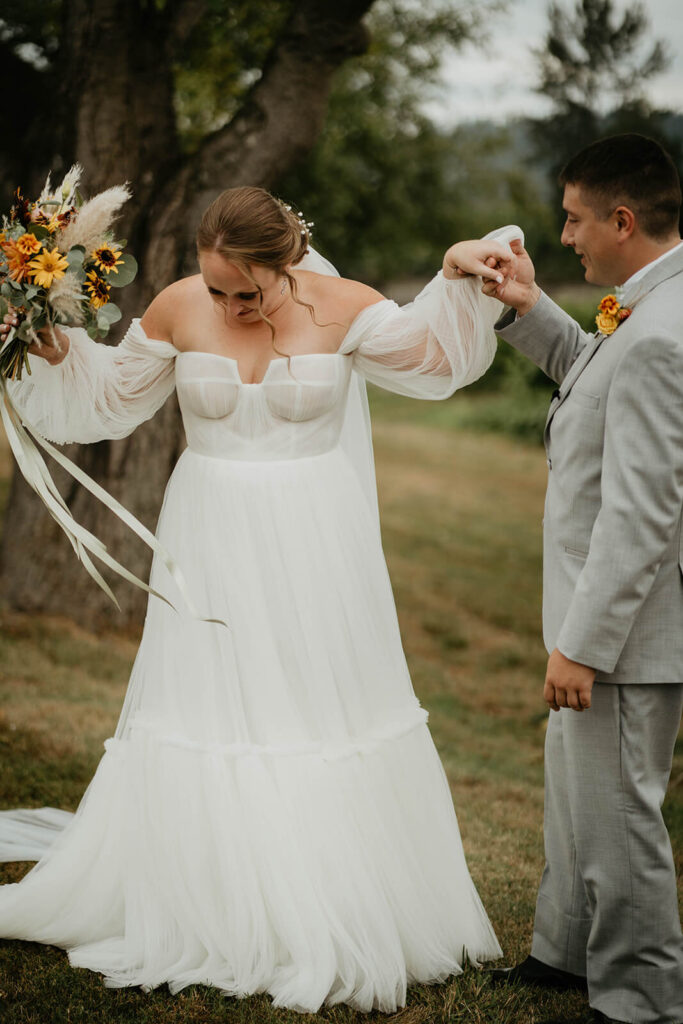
[[461, 514]]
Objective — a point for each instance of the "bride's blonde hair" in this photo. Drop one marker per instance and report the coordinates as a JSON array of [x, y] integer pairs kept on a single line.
[[247, 225]]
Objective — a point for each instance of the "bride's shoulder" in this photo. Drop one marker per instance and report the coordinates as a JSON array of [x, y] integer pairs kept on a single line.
[[341, 298], [167, 308]]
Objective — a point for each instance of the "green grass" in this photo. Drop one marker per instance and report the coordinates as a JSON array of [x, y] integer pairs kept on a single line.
[[461, 514]]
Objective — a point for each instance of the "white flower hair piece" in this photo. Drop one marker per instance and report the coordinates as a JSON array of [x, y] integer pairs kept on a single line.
[[304, 224]]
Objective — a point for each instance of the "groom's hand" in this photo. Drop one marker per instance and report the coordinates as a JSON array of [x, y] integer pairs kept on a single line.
[[568, 684], [518, 287]]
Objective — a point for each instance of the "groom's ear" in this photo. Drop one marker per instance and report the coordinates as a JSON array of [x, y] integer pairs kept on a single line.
[[625, 223]]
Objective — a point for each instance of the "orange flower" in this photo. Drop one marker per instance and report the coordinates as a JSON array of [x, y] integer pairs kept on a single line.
[[28, 244], [606, 323], [609, 305], [17, 263], [610, 315]]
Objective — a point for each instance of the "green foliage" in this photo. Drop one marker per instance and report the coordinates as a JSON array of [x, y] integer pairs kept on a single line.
[[596, 61], [125, 272], [594, 67], [32, 29], [222, 59], [389, 192]]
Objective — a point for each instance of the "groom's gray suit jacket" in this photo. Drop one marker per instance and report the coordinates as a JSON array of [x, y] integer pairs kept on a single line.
[[613, 555]]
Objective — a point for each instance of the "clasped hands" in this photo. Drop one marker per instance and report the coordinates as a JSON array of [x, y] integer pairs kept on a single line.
[[508, 272]]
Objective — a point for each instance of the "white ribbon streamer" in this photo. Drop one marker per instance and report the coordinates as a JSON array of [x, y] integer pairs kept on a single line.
[[32, 467]]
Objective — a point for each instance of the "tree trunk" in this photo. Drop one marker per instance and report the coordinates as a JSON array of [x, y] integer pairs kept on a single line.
[[116, 79]]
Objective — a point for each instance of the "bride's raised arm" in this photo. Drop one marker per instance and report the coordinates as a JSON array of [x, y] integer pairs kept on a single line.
[[442, 340]]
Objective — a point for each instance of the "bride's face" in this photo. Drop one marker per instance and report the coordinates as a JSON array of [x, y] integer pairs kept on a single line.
[[229, 287]]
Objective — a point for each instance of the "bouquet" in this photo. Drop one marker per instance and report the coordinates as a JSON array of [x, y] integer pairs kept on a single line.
[[59, 260]]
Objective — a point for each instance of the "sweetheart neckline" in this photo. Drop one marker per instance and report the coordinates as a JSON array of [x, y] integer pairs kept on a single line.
[[277, 359]]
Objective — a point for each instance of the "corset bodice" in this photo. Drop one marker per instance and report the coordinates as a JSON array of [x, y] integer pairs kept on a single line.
[[296, 411]]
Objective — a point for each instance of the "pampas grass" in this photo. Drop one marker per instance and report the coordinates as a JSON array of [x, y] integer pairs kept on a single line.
[[93, 219], [66, 299], [67, 190]]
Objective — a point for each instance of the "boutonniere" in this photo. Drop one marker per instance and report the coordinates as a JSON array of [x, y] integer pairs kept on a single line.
[[611, 314]]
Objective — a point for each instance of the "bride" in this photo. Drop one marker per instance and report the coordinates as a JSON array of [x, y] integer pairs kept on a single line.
[[271, 814]]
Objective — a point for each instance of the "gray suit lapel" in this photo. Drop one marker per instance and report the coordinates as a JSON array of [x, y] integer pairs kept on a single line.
[[575, 371]]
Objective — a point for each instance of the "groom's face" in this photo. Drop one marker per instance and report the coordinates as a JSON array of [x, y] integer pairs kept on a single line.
[[592, 239]]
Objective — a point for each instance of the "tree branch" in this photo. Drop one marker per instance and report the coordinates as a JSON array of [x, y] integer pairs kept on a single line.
[[276, 125], [282, 116]]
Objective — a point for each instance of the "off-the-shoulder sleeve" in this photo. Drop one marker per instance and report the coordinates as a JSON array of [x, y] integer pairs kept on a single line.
[[97, 391], [436, 344]]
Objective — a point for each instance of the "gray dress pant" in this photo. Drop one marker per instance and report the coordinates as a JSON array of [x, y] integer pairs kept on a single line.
[[607, 905]]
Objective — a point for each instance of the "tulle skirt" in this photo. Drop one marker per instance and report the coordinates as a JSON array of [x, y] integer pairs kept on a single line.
[[271, 815]]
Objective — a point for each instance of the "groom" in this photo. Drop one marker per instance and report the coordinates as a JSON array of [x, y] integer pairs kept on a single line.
[[606, 916]]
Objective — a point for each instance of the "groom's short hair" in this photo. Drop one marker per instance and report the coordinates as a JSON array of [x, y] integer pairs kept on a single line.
[[629, 170]]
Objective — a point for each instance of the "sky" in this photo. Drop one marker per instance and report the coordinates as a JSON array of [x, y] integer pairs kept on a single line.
[[495, 81]]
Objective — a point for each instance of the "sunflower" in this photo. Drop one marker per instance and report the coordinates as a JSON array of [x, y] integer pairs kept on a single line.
[[99, 290], [106, 258], [48, 267], [28, 244]]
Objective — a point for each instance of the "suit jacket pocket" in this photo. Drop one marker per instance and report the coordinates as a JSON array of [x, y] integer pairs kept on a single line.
[[584, 398], [576, 552]]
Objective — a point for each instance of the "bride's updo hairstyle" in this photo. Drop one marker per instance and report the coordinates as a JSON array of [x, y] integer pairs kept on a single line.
[[246, 226]]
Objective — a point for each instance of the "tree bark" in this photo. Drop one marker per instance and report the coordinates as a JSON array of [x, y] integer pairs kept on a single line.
[[116, 81]]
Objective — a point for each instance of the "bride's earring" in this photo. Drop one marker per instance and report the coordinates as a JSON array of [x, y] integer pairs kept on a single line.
[[284, 286]]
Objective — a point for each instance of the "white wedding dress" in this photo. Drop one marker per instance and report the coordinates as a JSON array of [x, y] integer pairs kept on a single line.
[[271, 814]]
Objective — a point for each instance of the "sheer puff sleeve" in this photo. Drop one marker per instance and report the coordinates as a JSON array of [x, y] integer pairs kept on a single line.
[[97, 391], [429, 348]]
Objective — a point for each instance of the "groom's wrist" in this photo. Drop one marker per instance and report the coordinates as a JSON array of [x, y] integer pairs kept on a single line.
[[529, 301]]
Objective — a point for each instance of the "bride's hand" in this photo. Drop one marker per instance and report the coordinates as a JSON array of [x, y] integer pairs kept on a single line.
[[52, 348], [482, 258], [518, 287]]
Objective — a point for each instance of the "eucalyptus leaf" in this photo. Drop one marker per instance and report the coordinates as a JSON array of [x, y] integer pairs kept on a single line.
[[75, 256], [108, 315], [127, 271], [14, 285], [39, 230]]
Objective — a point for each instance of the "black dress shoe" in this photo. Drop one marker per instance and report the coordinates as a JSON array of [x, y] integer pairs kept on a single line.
[[534, 972]]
